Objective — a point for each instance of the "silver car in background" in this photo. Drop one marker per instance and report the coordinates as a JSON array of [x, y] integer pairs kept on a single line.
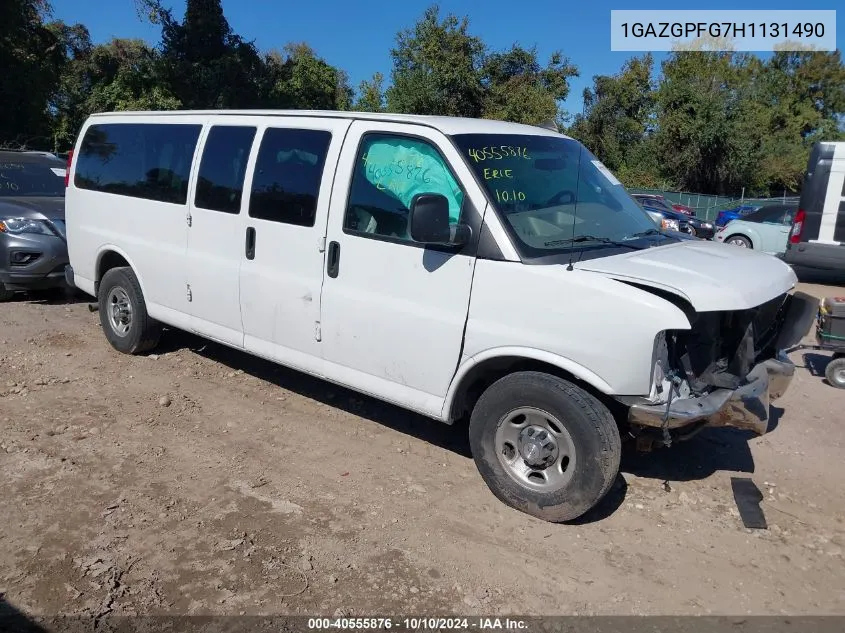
[[33, 247]]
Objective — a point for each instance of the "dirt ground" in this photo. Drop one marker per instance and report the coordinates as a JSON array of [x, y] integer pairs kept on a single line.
[[201, 480]]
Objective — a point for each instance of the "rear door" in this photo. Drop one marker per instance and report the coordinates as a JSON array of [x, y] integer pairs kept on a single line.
[[282, 238], [215, 243], [393, 311], [769, 222], [823, 195]]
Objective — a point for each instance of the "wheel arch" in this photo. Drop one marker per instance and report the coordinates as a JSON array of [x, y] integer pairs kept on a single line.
[[475, 374], [744, 233], [110, 256]]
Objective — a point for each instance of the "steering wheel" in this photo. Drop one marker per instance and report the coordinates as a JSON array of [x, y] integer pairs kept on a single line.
[[556, 199]]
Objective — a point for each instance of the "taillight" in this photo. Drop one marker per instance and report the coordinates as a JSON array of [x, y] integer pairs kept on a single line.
[[797, 227], [67, 169]]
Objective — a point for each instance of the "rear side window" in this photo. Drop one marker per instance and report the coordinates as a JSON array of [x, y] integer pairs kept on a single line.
[[221, 177], [141, 160], [287, 176], [766, 214]]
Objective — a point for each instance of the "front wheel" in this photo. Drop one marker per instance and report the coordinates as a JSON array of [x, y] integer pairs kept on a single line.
[[835, 372], [123, 313], [739, 240], [544, 446]]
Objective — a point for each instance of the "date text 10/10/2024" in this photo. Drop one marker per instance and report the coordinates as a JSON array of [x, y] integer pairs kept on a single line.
[[418, 624]]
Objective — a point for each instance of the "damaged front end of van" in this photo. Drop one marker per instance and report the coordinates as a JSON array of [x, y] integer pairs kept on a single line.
[[723, 371]]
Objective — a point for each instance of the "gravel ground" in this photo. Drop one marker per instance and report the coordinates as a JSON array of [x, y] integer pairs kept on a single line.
[[201, 480]]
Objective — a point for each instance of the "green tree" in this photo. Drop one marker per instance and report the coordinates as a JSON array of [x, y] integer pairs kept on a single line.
[[711, 124], [299, 79], [32, 56], [804, 93], [437, 68], [617, 118], [519, 89], [118, 75], [371, 95], [203, 62]]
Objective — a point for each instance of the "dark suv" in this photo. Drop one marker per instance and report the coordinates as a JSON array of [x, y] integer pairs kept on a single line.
[[33, 246]]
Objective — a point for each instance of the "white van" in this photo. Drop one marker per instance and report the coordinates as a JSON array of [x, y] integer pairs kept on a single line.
[[458, 268], [817, 238]]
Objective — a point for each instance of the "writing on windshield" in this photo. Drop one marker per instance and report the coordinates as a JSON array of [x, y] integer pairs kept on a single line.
[[550, 190], [30, 179]]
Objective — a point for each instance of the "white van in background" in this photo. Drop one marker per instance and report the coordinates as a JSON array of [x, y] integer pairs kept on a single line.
[[817, 238], [459, 268]]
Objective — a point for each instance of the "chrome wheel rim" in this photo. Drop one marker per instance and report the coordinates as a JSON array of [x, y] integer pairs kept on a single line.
[[839, 376], [535, 449], [740, 243], [119, 310]]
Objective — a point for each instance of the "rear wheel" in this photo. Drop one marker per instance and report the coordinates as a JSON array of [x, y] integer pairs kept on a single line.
[[123, 313], [544, 446], [835, 372], [739, 240]]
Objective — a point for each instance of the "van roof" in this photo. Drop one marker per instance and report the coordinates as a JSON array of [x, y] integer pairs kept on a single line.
[[447, 125]]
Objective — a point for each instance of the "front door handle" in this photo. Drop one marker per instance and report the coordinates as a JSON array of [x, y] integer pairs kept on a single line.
[[249, 249], [333, 259]]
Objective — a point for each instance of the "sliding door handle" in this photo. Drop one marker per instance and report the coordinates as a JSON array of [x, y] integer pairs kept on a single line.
[[249, 249], [333, 259]]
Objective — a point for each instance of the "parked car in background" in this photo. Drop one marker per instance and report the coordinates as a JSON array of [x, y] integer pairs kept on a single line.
[[667, 224], [688, 224], [700, 228], [656, 200], [670, 220], [33, 248], [766, 229], [817, 239], [734, 213]]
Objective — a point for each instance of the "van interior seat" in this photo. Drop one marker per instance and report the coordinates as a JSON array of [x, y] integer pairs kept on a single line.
[[366, 221]]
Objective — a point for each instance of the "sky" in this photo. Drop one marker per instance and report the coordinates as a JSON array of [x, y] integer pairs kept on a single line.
[[358, 36]]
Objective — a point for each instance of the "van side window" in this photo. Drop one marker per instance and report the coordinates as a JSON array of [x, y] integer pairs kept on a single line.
[[221, 177], [140, 160], [389, 171], [288, 173]]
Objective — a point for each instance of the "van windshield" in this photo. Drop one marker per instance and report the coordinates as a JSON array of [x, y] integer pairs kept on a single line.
[[553, 194]]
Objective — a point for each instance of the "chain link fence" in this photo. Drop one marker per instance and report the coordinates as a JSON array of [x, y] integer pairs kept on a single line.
[[707, 207]]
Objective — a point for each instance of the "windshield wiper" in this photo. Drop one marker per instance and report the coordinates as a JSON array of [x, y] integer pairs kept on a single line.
[[648, 232], [592, 238]]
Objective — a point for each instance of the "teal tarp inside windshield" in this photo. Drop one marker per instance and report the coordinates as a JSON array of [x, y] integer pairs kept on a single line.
[[404, 167]]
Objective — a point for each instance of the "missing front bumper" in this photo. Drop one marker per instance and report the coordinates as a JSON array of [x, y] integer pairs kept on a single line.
[[747, 407]]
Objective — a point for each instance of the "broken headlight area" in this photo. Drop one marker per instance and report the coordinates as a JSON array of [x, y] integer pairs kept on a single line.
[[721, 348], [726, 368]]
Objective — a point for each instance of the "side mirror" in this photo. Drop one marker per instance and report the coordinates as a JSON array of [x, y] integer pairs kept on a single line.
[[429, 221]]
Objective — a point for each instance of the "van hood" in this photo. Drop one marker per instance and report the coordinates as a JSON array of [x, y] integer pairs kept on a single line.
[[711, 276]]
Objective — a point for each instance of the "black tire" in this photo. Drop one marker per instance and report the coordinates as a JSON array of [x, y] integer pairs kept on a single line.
[[835, 372], [143, 332], [592, 431], [739, 240], [5, 293]]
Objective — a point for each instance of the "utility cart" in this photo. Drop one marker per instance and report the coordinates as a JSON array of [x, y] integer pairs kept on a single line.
[[830, 337]]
